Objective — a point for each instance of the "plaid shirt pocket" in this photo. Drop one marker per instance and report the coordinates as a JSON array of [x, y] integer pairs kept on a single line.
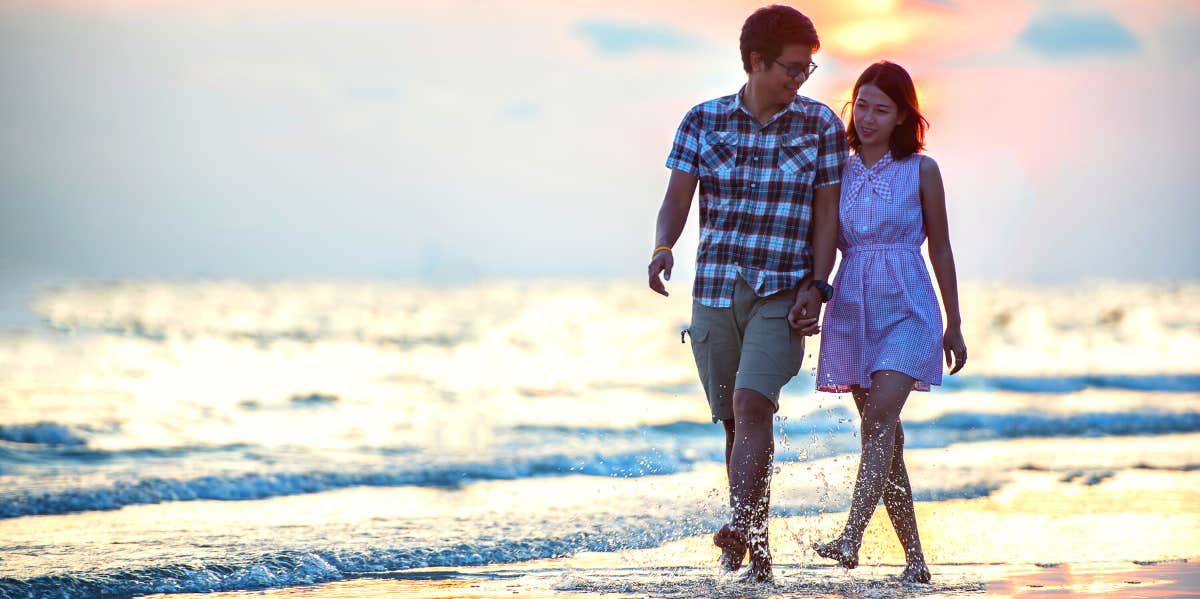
[[718, 153], [798, 155]]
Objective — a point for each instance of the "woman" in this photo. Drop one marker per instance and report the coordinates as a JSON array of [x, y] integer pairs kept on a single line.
[[882, 332]]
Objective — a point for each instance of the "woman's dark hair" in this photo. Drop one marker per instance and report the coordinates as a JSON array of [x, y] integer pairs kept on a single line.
[[908, 137], [769, 28]]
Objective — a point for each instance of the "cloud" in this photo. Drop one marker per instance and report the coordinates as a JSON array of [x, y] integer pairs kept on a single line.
[[375, 93], [1077, 34], [520, 111], [612, 37]]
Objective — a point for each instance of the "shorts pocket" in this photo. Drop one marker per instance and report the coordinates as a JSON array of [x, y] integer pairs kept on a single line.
[[702, 352], [785, 344], [776, 309], [699, 337]]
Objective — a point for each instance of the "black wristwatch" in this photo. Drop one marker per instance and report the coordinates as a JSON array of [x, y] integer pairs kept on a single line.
[[825, 288]]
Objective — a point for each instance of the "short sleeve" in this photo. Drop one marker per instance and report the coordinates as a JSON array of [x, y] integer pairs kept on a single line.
[[832, 152], [685, 151]]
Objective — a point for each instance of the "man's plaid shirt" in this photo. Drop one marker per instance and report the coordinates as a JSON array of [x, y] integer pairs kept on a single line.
[[756, 191]]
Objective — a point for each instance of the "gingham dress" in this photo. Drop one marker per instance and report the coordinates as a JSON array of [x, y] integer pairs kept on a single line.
[[883, 314]]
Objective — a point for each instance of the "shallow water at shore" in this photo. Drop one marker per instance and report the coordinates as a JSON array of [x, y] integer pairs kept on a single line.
[[1038, 536], [233, 437]]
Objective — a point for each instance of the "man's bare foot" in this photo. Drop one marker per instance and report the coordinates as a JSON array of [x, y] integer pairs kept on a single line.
[[733, 546], [840, 551], [758, 572], [916, 571]]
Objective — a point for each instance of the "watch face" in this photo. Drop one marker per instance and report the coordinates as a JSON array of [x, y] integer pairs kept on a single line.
[[825, 289]]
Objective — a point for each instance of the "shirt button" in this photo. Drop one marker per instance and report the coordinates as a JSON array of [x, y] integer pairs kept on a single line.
[[753, 185]]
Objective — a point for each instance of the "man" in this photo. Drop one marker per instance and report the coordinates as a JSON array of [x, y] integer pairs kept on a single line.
[[769, 164]]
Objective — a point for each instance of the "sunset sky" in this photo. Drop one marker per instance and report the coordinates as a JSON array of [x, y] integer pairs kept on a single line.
[[463, 140]]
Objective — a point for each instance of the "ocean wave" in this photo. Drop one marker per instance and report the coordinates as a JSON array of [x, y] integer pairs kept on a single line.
[[291, 568], [838, 417], [45, 455], [523, 541], [313, 400], [609, 452], [978, 425], [249, 486], [1163, 383], [41, 433], [1012, 426]]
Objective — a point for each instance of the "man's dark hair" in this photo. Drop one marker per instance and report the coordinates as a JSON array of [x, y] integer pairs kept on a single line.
[[771, 27]]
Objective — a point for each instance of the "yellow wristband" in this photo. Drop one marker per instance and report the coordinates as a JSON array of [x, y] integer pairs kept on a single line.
[[659, 249]]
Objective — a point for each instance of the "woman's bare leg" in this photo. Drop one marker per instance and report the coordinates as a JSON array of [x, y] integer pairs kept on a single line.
[[882, 447], [897, 498]]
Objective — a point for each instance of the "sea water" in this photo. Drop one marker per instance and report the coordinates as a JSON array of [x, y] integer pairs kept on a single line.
[[224, 435]]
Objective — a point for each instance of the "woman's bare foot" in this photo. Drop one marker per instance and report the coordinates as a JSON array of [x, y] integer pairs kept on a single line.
[[733, 546], [840, 551], [916, 571]]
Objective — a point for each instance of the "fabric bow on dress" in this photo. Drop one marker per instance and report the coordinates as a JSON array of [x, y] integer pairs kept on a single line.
[[880, 186]]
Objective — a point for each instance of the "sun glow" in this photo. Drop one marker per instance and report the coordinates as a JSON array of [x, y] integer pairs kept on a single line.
[[876, 7], [867, 37]]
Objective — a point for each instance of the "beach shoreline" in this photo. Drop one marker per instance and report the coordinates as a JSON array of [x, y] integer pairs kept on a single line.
[[317, 438], [1122, 580], [1038, 536]]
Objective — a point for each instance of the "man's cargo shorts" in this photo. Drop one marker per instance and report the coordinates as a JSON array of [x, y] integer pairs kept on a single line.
[[746, 346]]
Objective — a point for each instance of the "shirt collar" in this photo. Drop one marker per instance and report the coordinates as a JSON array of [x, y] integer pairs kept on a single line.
[[737, 105]]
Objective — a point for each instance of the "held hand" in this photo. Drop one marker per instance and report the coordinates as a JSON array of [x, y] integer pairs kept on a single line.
[[805, 314], [953, 344], [661, 263]]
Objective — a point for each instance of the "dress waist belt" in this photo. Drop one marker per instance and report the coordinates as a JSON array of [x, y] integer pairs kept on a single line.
[[876, 247]]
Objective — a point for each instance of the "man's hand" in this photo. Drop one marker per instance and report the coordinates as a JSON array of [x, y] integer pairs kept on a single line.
[[805, 315], [661, 263]]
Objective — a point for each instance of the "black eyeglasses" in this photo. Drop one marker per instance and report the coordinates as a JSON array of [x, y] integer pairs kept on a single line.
[[794, 71]]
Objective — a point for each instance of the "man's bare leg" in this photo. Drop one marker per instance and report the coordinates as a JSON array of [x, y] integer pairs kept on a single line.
[[732, 543], [750, 476], [880, 410]]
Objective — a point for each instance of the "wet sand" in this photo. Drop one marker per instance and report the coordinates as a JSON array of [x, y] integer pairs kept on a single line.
[[1133, 534], [1171, 579]]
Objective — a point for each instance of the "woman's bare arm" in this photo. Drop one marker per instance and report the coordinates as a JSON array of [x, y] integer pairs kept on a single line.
[[941, 256]]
